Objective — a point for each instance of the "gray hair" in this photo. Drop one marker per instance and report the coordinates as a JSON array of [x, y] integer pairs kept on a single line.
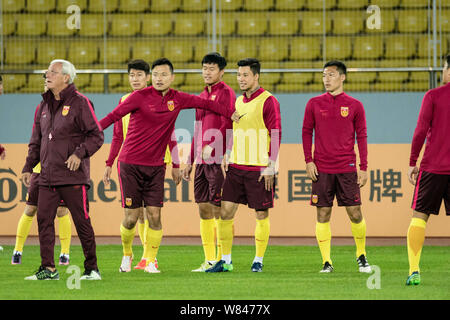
[[67, 68]]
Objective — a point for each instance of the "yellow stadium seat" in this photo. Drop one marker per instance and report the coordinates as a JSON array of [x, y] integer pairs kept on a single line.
[[230, 5], [425, 44], [289, 4], [419, 76], [82, 80], [393, 76], [13, 5], [251, 24], [297, 77], [393, 63], [134, 5], [97, 6], [35, 83], [388, 86], [312, 23], [14, 82], [178, 50], [255, 5], [49, 50], [31, 25], [360, 77], [241, 48], [92, 25], [189, 24], [364, 63], [387, 3], [97, 84], [368, 47], [179, 79], [444, 20], [83, 52], [117, 80], [57, 25], [269, 78], [420, 63], [283, 23], [387, 22], [141, 50], [41, 5], [352, 4], [19, 52], [226, 24], [117, 52], [62, 5], [318, 5], [194, 79], [156, 24], [348, 22], [195, 5], [273, 49], [9, 24], [412, 21], [421, 86], [195, 88], [203, 47], [362, 86], [124, 25], [398, 47], [305, 48], [165, 5], [415, 3], [338, 47]]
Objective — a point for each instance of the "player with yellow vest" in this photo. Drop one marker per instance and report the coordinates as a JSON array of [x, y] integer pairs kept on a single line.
[[138, 76], [249, 164]]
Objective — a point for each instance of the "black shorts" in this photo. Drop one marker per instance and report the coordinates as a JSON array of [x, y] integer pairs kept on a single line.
[[342, 185], [429, 192], [33, 191], [208, 183]]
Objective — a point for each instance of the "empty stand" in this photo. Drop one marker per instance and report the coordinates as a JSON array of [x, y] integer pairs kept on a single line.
[[9, 24], [283, 23], [230, 5], [239, 48], [353, 4], [258, 5], [348, 22], [312, 23], [195, 5], [338, 48], [165, 5], [400, 47], [49, 50], [57, 26], [189, 24], [179, 50], [124, 25], [93, 25], [251, 24], [368, 47], [142, 50], [83, 52], [155, 24], [412, 21], [273, 49], [62, 5], [117, 52], [305, 48], [97, 6], [134, 5], [41, 5], [289, 4], [31, 25], [13, 82], [19, 52], [318, 5], [13, 5]]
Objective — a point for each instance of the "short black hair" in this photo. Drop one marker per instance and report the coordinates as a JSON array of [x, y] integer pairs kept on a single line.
[[447, 58], [139, 64], [215, 57], [1, 79], [253, 63], [340, 66], [161, 62]]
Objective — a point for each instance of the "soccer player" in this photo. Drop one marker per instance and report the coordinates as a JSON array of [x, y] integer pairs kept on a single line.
[[208, 155], [250, 164], [154, 111], [2, 149], [335, 118], [65, 135], [1, 85], [138, 76], [432, 180]]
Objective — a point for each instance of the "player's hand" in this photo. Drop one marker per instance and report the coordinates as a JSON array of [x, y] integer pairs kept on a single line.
[[362, 178], [224, 165], [176, 175], [186, 172], [107, 175], [26, 179], [3, 155], [311, 171], [235, 117], [73, 163], [412, 175], [269, 178], [206, 152]]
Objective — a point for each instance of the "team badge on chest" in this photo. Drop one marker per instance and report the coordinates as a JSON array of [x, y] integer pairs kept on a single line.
[[65, 110], [344, 112], [170, 105]]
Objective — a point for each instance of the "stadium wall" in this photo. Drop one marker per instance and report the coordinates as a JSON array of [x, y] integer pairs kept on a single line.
[[391, 119]]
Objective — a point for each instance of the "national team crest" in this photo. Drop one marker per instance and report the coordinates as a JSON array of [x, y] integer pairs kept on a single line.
[[344, 111], [128, 202], [213, 97], [65, 110], [315, 198], [170, 105]]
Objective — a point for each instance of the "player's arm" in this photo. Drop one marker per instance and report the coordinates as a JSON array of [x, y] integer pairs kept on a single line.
[[307, 140], [116, 144], [132, 103], [2, 152], [34, 148], [361, 139], [190, 101]]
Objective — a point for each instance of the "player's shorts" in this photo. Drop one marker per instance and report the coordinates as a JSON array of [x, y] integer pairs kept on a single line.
[[429, 192], [141, 185], [342, 185], [242, 186], [33, 191], [208, 183]]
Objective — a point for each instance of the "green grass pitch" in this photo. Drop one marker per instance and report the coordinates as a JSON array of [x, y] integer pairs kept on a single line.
[[290, 273]]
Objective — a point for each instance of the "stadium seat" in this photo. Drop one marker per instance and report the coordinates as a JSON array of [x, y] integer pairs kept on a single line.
[[180, 80], [239, 48], [318, 5], [31, 25], [305, 48], [142, 50], [202, 46], [347, 22], [194, 79], [312, 23], [444, 20], [353, 4], [124, 25], [388, 86], [97, 6], [13, 82], [195, 88], [230, 5], [419, 76], [412, 21], [97, 84], [283, 23], [393, 76], [117, 52], [41, 5], [355, 86], [387, 25], [83, 52], [230, 78], [35, 83], [360, 77], [9, 24], [62, 5], [82, 80], [338, 48], [189, 24], [57, 25], [297, 77], [117, 80], [13, 5], [92, 25], [165, 5], [156, 24], [195, 5], [137, 6], [368, 47], [421, 86], [251, 24], [383, 4], [226, 23], [289, 4], [258, 5], [398, 47], [19, 52], [415, 3], [48, 50], [273, 49], [393, 63], [178, 50], [424, 43]]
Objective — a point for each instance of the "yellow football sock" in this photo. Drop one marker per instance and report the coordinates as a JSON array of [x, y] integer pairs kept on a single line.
[[416, 238], [141, 231], [207, 234], [323, 236], [65, 233], [217, 239], [225, 231], [262, 232], [23, 229], [144, 238], [127, 236], [153, 242], [359, 234]]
